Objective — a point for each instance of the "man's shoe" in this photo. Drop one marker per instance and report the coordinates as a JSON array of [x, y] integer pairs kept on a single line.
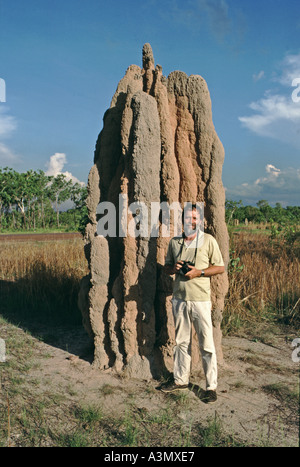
[[210, 397], [172, 387]]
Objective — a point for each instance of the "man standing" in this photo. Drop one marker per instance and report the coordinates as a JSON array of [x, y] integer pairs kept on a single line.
[[191, 302]]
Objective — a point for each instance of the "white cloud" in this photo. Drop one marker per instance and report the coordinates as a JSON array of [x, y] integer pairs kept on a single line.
[[277, 185], [289, 69], [55, 167], [276, 115], [271, 169], [7, 123], [217, 11], [7, 157], [259, 76], [56, 164]]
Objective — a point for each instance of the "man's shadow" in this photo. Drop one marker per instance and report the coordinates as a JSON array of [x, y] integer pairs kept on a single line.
[[199, 392]]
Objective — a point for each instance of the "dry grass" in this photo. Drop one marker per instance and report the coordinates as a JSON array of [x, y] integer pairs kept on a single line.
[[41, 278], [62, 258], [264, 283]]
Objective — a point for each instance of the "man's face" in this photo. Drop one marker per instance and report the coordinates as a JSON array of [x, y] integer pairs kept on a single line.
[[192, 220]]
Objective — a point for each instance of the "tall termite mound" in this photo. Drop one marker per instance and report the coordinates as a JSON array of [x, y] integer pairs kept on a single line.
[[158, 144]]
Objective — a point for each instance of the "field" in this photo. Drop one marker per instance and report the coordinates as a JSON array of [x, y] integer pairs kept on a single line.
[[50, 395]]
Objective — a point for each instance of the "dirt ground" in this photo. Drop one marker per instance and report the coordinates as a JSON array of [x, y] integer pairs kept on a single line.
[[254, 402], [258, 392]]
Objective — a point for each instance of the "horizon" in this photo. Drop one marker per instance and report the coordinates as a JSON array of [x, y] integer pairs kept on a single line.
[[61, 63]]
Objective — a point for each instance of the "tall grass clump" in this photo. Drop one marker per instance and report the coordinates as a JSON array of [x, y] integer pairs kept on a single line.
[[40, 280], [263, 281]]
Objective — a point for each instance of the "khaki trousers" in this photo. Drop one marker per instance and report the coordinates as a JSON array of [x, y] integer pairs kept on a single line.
[[185, 314]]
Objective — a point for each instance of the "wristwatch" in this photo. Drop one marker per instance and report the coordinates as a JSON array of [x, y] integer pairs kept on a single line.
[[202, 273]]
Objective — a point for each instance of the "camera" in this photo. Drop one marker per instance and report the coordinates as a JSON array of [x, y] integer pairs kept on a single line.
[[185, 267]]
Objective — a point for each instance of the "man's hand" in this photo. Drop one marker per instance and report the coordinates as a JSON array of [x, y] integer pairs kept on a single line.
[[192, 273], [173, 269], [210, 271]]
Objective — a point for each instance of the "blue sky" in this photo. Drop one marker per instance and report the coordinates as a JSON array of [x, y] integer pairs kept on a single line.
[[61, 62]]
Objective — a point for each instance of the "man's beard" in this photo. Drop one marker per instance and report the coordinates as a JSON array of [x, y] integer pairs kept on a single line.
[[190, 229]]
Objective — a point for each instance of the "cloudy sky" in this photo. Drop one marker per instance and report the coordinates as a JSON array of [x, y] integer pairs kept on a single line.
[[61, 61]]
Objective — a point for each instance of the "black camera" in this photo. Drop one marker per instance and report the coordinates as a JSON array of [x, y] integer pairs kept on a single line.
[[185, 267]]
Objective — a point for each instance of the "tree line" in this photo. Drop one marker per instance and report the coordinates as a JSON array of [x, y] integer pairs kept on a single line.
[[31, 200], [262, 212]]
